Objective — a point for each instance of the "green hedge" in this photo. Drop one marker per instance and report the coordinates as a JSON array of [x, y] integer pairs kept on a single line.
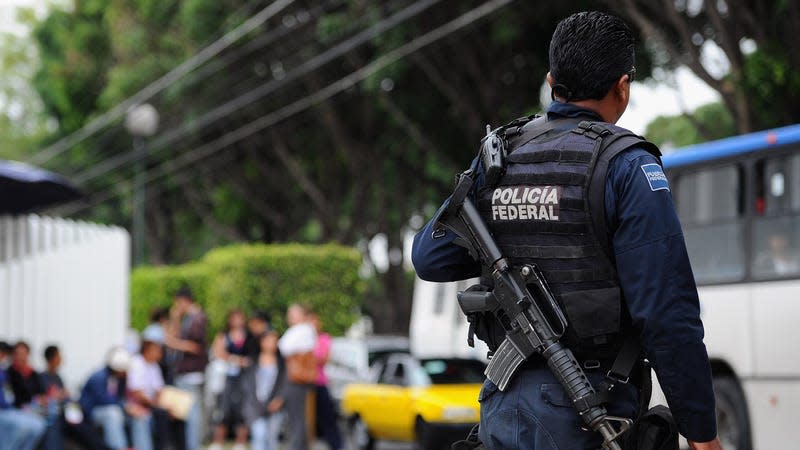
[[259, 276]]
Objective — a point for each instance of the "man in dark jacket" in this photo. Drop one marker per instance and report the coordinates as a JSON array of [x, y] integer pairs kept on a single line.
[[187, 341], [24, 380], [21, 430], [546, 211], [103, 400]]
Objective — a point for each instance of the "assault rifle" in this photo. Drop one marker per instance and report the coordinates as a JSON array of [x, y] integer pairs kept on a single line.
[[528, 317]]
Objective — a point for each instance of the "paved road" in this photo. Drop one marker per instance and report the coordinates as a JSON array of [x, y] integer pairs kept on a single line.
[[380, 446]]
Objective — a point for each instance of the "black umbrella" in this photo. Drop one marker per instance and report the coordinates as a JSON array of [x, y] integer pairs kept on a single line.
[[25, 188]]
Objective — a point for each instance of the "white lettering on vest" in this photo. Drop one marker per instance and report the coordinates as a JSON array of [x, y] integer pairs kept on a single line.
[[526, 203]]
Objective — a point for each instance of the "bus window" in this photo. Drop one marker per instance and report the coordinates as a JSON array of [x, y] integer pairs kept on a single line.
[[776, 227], [779, 185], [710, 207], [775, 247]]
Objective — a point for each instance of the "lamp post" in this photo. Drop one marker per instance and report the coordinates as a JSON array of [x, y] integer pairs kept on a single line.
[[141, 121]]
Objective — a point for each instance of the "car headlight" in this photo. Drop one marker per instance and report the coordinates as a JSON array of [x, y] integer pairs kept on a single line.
[[459, 414]]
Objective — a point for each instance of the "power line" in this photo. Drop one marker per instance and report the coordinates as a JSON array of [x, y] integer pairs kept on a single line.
[[119, 159], [234, 105], [319, 96], [201, 57], [301, 18]]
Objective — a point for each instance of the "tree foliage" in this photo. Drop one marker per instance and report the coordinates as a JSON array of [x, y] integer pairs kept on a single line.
[[347, 167], [23, 123], [708, 122], [757, 77]]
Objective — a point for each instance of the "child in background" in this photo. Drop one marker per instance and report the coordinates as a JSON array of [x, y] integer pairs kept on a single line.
[[264, 383]]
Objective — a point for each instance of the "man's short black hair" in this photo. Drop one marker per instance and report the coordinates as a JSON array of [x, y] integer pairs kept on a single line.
[[589, 52], [50, 352], [5, 347], [22, 344], [158, 314], [185, 292], [262, 315]]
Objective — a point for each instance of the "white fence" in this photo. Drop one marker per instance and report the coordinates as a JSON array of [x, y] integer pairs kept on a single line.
[[65, 283]]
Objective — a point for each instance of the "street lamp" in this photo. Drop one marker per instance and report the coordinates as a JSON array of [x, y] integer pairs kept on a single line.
[[141, 121]]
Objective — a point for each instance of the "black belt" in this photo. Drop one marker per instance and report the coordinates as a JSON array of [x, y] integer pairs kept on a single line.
[[537, 363]]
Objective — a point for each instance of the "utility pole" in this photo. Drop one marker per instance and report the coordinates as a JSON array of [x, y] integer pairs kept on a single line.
[[141, 121]]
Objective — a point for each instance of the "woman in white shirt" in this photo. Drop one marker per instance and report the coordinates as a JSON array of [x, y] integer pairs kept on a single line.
[[298, 344]]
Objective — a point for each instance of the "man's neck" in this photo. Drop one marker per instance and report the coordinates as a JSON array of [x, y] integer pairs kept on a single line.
[[599, 107]]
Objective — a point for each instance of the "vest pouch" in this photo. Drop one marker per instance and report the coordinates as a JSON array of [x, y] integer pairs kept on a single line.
[[594, 315]]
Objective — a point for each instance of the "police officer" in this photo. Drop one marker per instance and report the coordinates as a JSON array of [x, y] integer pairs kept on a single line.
[[612, 250]]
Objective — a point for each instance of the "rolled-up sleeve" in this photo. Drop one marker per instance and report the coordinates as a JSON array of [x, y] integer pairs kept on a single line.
[[659, 288]]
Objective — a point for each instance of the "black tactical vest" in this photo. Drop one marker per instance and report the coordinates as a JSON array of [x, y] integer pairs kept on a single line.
[[548, 209]]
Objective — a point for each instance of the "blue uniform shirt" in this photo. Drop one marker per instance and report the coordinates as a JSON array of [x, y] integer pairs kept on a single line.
[[654, 272], [96, 391]]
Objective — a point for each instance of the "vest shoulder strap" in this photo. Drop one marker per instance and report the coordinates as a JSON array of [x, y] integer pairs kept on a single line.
[[613, 141], [518, 133]]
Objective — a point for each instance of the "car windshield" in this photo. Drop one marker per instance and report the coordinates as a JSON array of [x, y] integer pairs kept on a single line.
[[453, 371], [380, 354]]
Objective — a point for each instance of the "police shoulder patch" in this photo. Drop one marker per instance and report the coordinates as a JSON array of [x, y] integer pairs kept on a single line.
[[655, 177]]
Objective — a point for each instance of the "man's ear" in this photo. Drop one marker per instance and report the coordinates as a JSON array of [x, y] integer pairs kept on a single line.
[[622, 89], [550, 80]]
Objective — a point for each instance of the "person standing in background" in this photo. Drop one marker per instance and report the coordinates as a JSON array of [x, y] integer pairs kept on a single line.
[[156, 332], [229, 346], [297, 346], [257, 326], [264, 383], [326, 413], [186, 336]]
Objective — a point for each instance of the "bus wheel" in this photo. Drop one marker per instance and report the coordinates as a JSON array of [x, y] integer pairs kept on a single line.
[[733, 424]]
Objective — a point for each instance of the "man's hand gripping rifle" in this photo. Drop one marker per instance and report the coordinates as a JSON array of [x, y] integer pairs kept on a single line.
[[529, 327]]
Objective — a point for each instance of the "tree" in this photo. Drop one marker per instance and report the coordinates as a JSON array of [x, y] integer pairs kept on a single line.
[[75, 56], [23, 123], [708, 122], [758, 76], [348, 168]]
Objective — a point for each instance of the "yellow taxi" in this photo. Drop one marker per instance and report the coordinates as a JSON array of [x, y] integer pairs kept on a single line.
[[432, 402]]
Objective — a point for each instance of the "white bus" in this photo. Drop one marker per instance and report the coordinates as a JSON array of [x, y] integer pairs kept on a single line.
[[739, 204]]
